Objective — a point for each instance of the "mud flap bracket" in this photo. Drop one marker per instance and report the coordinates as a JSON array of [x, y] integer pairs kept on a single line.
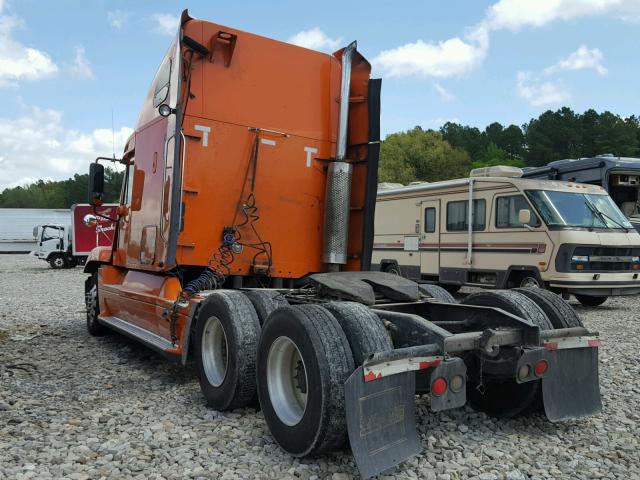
[[455, 395], [381, 421]]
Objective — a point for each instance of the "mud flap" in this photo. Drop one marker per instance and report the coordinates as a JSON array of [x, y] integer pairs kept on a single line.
[[572, 387], [381, 421]]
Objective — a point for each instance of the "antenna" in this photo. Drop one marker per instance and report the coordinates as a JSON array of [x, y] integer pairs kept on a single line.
[[113, 136]]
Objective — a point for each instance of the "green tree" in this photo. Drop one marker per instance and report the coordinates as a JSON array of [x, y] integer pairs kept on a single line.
[[61, 194], [421, 155], [467, 138]]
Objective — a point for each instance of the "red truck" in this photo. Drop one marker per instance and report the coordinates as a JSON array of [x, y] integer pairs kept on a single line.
[[65, 246]]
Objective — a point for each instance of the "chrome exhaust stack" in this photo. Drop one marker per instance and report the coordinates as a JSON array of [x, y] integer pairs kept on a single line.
[[338, 190]]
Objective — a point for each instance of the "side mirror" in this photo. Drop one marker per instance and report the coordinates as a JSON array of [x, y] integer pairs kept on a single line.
[[165, 110], [35, 232], [90, 220], [524, 216], [96, 184]]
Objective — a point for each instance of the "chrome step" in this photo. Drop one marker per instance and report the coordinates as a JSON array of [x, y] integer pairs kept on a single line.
[[150, 339]]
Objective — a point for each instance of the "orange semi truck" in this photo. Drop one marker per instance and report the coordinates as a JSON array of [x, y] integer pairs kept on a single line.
[[243, 241]]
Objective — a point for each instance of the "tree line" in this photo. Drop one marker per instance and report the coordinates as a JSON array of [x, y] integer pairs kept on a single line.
[[61, 194], [427, 155], [455, 149]]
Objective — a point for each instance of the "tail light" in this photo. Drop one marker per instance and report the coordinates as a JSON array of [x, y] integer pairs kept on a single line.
[[540, 368], [439, 387]]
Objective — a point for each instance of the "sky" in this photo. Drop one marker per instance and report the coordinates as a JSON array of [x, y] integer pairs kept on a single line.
[[72, 70]]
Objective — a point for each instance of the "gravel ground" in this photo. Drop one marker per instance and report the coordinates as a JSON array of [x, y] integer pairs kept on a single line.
[[86, 408]]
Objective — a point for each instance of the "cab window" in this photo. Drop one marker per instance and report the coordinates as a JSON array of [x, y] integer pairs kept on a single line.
[[162, 83], [507, 209], [128, 184]]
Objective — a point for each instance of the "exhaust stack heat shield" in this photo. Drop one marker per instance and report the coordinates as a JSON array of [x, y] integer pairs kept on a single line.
[[336, 213]]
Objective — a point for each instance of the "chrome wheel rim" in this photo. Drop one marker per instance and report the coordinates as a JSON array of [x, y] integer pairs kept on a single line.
[[215, 351], [58, 262], [287, 381], [529, 282]]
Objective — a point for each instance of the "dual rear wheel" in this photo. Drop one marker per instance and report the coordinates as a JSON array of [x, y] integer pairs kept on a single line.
[[297, 362], [503, 396]]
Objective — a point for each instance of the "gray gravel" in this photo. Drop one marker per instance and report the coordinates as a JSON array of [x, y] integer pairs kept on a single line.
[[75, 406]]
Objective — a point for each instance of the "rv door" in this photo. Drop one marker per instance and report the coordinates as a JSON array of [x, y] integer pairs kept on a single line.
[[430, 237]]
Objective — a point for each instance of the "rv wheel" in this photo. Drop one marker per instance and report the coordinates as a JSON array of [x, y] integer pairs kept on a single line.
[[529, 282], [589, 301], [393, 269], [304, 360]]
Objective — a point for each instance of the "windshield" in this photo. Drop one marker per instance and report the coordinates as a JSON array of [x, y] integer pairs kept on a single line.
[[50, 232], [565, 209]]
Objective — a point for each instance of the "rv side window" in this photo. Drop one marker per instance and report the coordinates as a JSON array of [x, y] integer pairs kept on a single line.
[[507, 209], [457, 215], [429, 220]]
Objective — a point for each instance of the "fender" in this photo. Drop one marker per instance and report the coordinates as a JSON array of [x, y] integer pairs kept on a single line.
[[98, 256]]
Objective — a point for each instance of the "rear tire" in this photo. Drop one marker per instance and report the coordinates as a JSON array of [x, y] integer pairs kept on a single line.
[[265, 302], [559, 312], [304, 359], [364, 330], [589, 301], [505, 397], [225, 345], [94, 327], [437, 292]]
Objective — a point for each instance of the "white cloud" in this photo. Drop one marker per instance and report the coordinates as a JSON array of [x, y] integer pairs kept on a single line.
[[18, 62], [315, 39], [166, 24], [460, 55], [517, 14], [445, 94], [118, 18], [36, 145], [444, 59], [583, 58], [81, 67], [540, 93]]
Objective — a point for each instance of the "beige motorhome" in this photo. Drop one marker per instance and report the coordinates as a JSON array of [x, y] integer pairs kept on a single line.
[[498, 230]]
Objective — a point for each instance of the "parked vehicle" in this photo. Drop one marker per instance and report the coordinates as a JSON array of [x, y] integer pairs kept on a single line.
[[567, 237], [68, 245], [244, 239], [619, 176], [16, 226]]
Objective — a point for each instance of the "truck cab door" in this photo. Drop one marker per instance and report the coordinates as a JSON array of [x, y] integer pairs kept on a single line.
[[430, 237], [51, 240]]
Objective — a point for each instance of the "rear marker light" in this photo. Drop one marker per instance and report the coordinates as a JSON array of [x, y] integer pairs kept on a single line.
[[439, 386], [456, 384], [523, 372], [541, 368]]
